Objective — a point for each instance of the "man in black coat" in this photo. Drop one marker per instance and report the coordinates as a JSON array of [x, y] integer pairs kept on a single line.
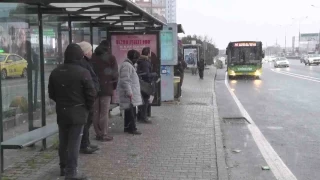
[[201, 65], [71, 87]]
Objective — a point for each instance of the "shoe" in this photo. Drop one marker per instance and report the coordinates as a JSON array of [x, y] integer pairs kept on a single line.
[[88, 150], [74, 175], [145, 121], [77, 177], [62, 171], [135, 132], [94, 146], [104, 138]]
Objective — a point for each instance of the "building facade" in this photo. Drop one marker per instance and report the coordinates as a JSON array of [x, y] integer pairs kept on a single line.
[[171, 11], [165, 10]]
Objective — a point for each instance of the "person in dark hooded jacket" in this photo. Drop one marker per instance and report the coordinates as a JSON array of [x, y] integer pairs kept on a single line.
[[106, 67], [144, 70], [71, 87]]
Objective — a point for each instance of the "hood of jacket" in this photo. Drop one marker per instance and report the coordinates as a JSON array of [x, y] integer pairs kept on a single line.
[[100, 50], [73, 54], [143, 57], [103, 54]]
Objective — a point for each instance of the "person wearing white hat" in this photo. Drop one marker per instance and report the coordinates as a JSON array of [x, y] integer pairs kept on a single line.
[[86, 147]]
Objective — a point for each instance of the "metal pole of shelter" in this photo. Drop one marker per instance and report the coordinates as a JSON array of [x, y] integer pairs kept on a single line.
[[42, 77], [91, 34], [1, 129], [59, 43], [69, 29]]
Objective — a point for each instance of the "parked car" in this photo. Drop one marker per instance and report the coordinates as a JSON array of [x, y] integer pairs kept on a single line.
[[281, 62], [312, 59], [12, 65]]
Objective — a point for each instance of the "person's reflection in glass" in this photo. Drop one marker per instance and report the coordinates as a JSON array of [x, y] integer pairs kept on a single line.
[[23, 48]]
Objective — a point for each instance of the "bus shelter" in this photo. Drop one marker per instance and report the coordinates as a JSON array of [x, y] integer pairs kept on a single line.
[[33, 39]]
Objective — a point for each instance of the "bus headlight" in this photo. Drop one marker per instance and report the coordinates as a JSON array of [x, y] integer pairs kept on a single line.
[[232, 73], [257, 73]]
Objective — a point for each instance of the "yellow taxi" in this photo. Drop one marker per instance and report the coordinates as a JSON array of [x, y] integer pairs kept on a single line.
[[12, 65]]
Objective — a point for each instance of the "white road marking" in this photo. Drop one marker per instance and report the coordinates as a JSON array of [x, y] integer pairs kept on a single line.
[[275, 127], [298, 76], [278, 167]]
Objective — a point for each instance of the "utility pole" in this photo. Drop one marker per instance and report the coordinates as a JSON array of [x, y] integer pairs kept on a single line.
[[285, 40], [151, 7]]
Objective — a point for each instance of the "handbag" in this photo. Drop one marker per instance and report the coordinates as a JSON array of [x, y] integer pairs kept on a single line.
[[146, 87]]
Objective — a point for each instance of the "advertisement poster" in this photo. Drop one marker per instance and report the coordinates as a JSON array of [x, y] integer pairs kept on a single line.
[[191, 56], [121, 44]]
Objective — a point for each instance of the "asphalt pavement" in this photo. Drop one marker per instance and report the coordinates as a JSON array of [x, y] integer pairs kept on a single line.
[[17, 86], [284, 105]]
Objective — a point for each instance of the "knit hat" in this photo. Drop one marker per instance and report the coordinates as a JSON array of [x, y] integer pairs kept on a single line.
[[85, 46]]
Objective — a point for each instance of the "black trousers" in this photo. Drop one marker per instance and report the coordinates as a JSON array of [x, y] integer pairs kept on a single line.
[[201, 73], [85, 141], [143, 109], [130, 119], [69, 146]]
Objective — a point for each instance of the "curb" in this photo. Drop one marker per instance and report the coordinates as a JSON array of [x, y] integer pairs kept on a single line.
[[220, 154]]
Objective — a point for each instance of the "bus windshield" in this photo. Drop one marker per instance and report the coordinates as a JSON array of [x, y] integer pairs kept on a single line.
[[244, 54]]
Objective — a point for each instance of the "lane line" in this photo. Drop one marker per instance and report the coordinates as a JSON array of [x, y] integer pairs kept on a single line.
[[277, 166], [296, 76]]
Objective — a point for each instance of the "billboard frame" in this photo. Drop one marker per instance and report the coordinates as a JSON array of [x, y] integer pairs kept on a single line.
[[111, 33]]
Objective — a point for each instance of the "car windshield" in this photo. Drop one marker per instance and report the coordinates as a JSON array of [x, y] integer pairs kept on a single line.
[[2, 57], [281, 59], [314, 55]]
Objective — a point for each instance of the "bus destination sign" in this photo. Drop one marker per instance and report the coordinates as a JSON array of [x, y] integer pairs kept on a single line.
[[245, 44]]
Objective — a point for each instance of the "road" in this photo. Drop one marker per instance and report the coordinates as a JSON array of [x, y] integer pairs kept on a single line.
[[284, 104], [13, 87]]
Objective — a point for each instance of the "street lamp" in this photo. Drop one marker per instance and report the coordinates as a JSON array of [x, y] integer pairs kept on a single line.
[[285, 35], [299, 20], [319, 30]]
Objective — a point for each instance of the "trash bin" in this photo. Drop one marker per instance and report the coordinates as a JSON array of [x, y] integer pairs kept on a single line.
[[177, 87]]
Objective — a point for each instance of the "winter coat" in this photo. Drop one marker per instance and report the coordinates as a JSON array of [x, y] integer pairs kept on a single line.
[[106, 67], [201, 65], [71, 87], [145, 68], [128, 84], [85, 63]]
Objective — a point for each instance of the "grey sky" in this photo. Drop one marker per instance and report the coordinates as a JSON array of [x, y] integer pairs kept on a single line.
[[231, 20]]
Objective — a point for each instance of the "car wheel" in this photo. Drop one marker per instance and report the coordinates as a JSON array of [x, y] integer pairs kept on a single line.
[[24, 73], [4, 74]]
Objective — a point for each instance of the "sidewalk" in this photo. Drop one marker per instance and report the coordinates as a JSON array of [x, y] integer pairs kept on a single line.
[[179, 144]]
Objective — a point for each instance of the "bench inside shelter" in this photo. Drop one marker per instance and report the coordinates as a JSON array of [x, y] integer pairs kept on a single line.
[[32, 137], [27, 139]]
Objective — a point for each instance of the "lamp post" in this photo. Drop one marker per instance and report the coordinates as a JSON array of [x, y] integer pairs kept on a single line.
[[285, 35], [299, 20], [319, 31]]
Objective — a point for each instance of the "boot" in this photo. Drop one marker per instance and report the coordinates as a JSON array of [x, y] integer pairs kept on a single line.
[[75, 175], [62, 171], [88, 150]]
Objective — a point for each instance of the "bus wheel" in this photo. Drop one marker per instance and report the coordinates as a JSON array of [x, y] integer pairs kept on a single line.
[[257, 77]]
